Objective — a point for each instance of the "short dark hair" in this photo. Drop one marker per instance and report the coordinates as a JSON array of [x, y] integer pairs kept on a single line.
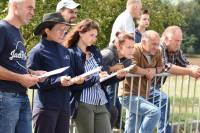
[[145, 11], [43, 33]]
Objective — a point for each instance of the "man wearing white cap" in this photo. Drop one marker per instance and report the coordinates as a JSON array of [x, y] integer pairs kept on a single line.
[[68, 9]]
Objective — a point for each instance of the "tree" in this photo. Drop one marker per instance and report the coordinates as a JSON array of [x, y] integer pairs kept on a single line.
[[162, 14], [103, 11], [191, 28]]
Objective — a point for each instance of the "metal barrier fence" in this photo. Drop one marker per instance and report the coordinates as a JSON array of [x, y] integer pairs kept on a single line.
[[184, 95]]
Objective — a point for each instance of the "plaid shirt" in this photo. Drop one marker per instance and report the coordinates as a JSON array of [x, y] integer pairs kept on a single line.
[[169, 58]]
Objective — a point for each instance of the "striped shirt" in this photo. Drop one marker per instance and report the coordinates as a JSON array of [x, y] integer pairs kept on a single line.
[[169, 58], [93, 95], [176, 58]]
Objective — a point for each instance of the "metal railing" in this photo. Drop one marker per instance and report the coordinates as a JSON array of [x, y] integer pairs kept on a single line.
[[184, 94]]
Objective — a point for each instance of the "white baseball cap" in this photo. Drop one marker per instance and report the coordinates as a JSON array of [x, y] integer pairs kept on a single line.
[[70, 4]]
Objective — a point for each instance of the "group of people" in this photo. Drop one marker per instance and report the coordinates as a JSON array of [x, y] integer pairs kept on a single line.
[[87, 99]]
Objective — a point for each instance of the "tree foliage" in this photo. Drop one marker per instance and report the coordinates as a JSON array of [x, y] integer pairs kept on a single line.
[[191, 28], [103, 11]]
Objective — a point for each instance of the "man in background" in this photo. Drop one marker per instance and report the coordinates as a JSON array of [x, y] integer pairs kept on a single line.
[[68, 9], [143, 23]]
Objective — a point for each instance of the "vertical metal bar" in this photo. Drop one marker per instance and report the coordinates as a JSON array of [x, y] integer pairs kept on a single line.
[[131, 94], [147, 90], [193, 102], [160, 97], [70, 126], [168, 100], [198, 117], [174, 100], [122, 109], [165, 123], [137, 109], [186, 112], [155, 81], [32, 99], [180, 105], [115, 95]]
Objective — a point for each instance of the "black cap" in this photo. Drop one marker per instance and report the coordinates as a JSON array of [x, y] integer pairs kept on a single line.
[[50, 19]]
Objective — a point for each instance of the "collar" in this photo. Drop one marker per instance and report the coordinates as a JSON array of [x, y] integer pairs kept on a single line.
[[128, 13], [164, 47], [143, 52], [49, 43], [136, 30], [114, 49]]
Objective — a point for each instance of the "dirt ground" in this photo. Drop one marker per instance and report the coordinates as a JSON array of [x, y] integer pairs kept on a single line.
[[195, 61]]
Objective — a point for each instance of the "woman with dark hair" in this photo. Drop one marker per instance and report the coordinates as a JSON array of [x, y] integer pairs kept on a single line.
[[92, 115], [51, 110]]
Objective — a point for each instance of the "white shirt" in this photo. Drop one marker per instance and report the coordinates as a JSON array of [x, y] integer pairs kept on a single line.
[[123, 23]]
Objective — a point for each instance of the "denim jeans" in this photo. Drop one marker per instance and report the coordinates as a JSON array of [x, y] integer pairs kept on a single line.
[[148, 114], [161, 100], [15, 113]]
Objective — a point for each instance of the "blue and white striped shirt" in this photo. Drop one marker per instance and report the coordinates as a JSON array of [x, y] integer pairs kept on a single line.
[[93, 95]]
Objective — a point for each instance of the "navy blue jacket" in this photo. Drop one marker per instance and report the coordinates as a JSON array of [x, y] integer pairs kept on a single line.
[[138, 36], [78, 69], [47, 56]]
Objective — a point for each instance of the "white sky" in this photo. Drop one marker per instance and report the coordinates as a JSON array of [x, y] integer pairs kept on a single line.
[[176, 1]]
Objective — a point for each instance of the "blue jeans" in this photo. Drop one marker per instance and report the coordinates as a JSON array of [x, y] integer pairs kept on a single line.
[[148, 114], [15, 113], [164, 106]]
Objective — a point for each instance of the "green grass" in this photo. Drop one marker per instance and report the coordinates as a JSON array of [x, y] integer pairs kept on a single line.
[[184, 92]]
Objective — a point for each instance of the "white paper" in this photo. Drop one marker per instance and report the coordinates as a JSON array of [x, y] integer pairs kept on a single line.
[[114, 74], [98, 69], [108, 77], [54, 72]]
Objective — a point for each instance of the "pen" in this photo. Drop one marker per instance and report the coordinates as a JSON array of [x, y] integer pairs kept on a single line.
[[28, 71]]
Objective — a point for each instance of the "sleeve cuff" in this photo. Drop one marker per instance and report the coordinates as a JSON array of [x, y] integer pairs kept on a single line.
[[167, 67]]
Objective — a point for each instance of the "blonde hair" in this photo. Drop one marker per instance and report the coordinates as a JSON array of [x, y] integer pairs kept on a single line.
[[121, 37], [18, 1], [171, 30], [132, 2], [150, 34]]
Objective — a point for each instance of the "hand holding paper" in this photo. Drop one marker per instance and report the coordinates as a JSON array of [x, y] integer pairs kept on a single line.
[[98, 69], [121, 73], [54, 72], [65, 80], [78, 80], [114, 74]]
